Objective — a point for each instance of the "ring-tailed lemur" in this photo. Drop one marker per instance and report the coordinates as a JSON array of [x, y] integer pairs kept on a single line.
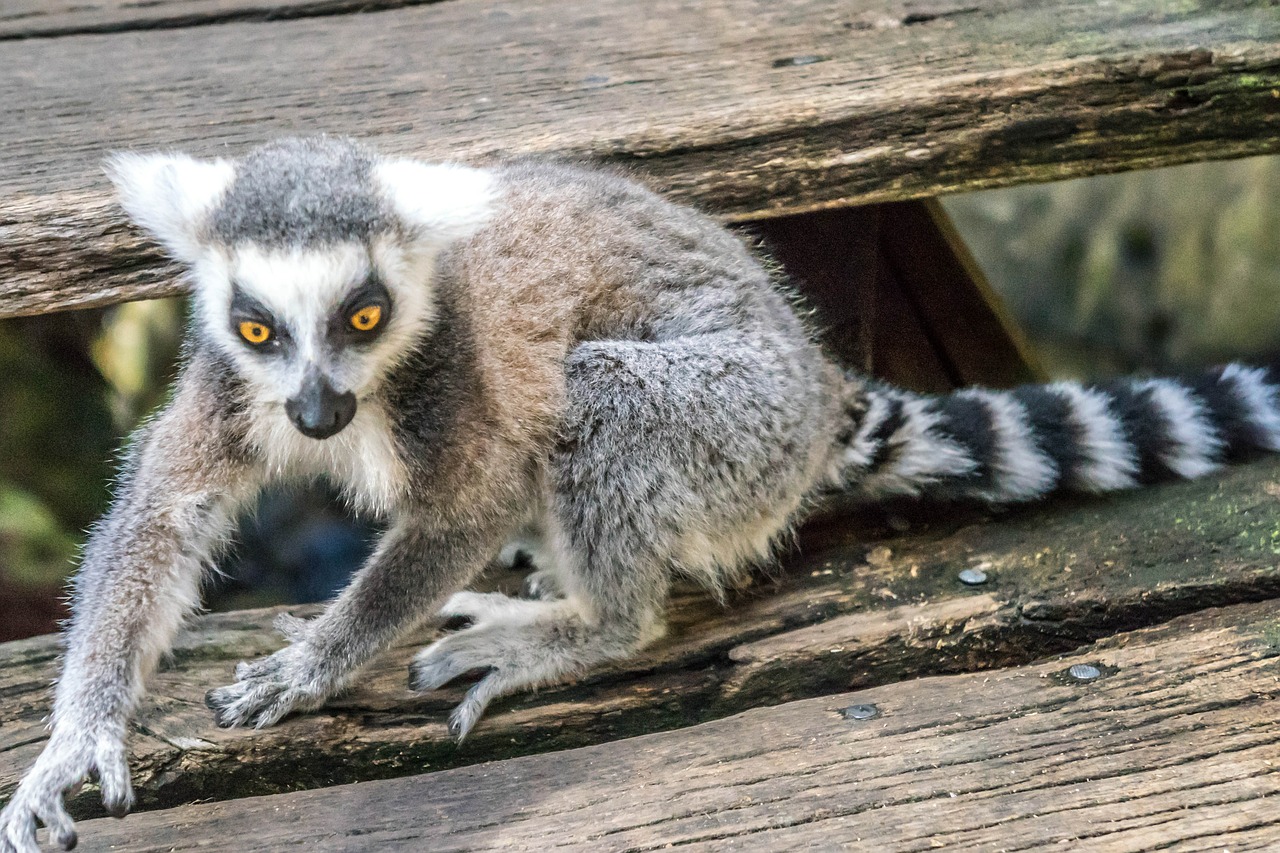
[[471, 353]]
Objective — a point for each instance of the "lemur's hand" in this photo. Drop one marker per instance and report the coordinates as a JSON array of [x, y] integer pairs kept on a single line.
[[296, 678], [63, 766]]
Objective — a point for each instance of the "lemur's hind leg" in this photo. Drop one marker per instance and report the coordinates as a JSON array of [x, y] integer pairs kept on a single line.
[[688, 456]]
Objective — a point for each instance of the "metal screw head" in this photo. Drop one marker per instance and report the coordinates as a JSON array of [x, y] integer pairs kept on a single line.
[[1084, 672], [973, 577], [860, 712]]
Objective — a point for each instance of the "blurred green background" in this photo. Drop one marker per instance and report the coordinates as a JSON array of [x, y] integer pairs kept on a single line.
[[1152, 271]]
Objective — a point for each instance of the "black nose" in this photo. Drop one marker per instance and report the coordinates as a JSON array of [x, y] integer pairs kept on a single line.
[[319, 411]]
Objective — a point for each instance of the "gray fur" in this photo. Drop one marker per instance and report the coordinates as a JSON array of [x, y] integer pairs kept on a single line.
[[571, 362], [300, 192]]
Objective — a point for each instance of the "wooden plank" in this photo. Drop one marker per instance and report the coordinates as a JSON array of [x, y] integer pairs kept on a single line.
[[1176, 746], [21, 19], [856, 607], [903, 350], [29, 609], [748, 109]]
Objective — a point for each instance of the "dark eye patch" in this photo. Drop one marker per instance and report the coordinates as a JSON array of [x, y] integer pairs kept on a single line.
[[244, 308], [371, 292]]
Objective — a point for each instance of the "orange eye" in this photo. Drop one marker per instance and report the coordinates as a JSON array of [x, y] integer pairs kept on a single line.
[[254, 333], [367, 318]]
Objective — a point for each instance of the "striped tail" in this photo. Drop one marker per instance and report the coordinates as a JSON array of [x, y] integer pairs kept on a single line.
[[1019, 445]]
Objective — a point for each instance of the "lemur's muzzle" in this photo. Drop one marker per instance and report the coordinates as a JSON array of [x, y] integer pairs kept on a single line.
[[318, 411]]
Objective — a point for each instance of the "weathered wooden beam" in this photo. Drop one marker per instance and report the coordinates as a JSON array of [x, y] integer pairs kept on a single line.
[[747, 109], [855, 607], [23, 19], [1175, 745]]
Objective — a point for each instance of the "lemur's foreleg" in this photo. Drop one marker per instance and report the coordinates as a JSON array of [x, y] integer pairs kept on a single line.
[[141, 575], [390, 595]]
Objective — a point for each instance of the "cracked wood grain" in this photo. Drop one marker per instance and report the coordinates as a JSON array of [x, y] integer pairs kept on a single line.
[[1177, 747], [24, 19]]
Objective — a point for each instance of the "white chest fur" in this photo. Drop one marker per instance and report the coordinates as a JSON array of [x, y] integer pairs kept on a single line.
[[362, 460]]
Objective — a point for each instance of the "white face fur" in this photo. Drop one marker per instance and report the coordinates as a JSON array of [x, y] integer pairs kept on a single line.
[[307, 297]]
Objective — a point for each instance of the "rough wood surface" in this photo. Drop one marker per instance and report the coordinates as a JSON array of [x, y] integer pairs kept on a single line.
[[857, 607], [1175, 747], [22, 19], [747, 108]]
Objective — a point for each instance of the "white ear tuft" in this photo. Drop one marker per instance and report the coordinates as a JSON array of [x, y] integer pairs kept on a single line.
[[170, 195], [443, 202]]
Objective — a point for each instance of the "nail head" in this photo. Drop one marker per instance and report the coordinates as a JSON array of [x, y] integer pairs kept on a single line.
[[860, 712], [1084, 672]]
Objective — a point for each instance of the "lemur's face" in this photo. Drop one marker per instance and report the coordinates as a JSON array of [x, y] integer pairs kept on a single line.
[[313, 262], [315, 330]]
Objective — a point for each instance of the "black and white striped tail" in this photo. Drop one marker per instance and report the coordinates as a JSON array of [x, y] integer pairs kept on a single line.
[[1018, 445]]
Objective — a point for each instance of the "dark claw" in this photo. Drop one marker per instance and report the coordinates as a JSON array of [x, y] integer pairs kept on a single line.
[[219, 710]]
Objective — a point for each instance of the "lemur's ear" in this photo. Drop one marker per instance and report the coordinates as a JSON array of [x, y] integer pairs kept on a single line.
[[170, 195], [441, 202]]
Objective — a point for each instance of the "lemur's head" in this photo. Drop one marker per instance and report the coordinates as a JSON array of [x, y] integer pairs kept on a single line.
[[312, 260]]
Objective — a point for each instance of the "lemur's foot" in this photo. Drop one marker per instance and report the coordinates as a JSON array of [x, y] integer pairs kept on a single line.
[[544, 585], [521, 643], [529, 553], [60, 770], [266, 690]]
